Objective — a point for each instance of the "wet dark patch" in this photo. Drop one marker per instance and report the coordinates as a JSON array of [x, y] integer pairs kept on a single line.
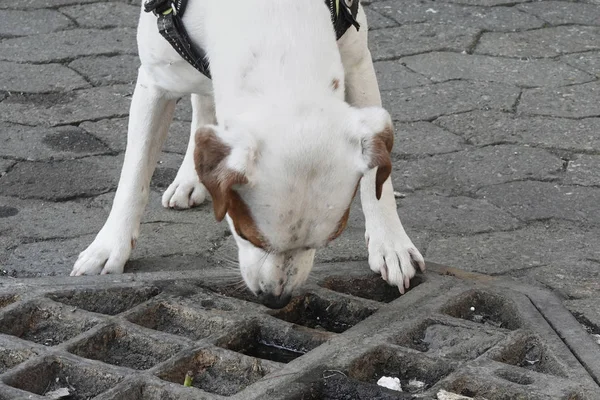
[[115, 345], [83, 381], [371, 287], [108, 301], [484, 308], [218, 373], [6, 211], [316, 312], [179, 320], [73, 139]]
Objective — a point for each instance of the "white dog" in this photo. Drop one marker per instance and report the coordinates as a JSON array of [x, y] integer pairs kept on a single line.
[[272, 140]]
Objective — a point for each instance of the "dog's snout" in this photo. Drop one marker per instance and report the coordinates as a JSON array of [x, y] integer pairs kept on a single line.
[[272, 301]]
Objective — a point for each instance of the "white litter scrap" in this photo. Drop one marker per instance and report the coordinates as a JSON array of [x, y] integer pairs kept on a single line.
[[443, 395], [58, 394], [597, 337], [390, 383], [415, 384]]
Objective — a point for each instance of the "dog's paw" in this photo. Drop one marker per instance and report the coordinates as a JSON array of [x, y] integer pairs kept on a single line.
[[106, 255], [393, 255], [186, 191]]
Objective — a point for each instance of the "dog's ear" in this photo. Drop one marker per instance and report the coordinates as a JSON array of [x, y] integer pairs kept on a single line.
[[376, 134], [212, 159]]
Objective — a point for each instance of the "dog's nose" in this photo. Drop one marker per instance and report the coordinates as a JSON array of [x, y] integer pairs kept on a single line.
[[272, 301]]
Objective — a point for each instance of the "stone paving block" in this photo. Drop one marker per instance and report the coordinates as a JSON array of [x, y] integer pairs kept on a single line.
[[487, 18], [444, 66], [394, 75], [378, 21], [67, 108], [103, 70], [63, 180], [67, 45], [583, 170], [28, 78], [486, 2], [5, 165], [533, 200], [563, 245], [577, 101], [453, 215], [36, 143], [574, 280], [589, 61], [492, 127], [113, 132], [424, 138], [432, 101], [103, 15], [33, 4], [466, 171], [545, 42], [391, 43], [21, 23], [559, 12]]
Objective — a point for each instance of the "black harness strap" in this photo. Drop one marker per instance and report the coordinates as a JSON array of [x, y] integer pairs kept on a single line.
[[170, 26]]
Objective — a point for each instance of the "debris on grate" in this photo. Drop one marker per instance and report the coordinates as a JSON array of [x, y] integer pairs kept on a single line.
[[278, 343], [11, 356], [416, 372], [371, 287], [316, 312], [53, 373], [179, 320], [456, 342], [118, 346], [484, 308], [45, 324], [219, 373], [105, 301]]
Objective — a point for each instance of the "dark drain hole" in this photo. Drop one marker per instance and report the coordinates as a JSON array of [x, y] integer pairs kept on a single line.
[[484, 308], [315, 312], [271, 351], [339, 387], [368, 287], [529, 353]]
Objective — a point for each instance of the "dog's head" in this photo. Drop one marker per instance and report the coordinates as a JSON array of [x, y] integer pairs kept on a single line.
[[285, 188]]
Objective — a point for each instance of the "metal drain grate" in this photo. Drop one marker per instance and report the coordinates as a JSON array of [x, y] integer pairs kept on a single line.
[[137, 336]]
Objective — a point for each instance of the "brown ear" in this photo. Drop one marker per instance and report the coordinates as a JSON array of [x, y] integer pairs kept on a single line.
[[381, 147], [210, 157]]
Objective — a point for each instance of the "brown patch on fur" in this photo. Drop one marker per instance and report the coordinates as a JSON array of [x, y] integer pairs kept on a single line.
[[335, 83], [380, 157], [344, 220], [210, 159]]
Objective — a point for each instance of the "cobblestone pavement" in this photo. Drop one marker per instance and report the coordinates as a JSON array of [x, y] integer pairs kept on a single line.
[[497, 155]]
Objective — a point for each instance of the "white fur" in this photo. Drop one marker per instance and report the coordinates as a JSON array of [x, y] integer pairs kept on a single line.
[[297, 141]]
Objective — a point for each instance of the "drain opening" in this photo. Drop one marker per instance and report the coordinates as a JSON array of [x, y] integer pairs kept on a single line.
[[10, 357], [528, 352], [109, 301], [315, 312], [338, 387], [368, 287], [484, 308], [117, 346]]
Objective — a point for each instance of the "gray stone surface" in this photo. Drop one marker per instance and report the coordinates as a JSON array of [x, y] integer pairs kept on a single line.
[[378, 21], [36, 143], [391, 43], [576, 101], [466, 171], [19, 22], [546, 42], [33, 4], [67, 107], [584, 170], [62, 180], [446, 66], [560, 12], [394, 75], [531, 200], [424, 138], [432, 101], [103, 15], [107, 70], [487, 18], [586, 308], [5, 165], [492, 127], [573, 280], [589, 61], [70, 44], [29, 78], [563, 245]]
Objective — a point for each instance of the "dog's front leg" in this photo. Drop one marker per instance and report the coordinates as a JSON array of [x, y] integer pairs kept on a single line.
[[391, 252], [150, 115]]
